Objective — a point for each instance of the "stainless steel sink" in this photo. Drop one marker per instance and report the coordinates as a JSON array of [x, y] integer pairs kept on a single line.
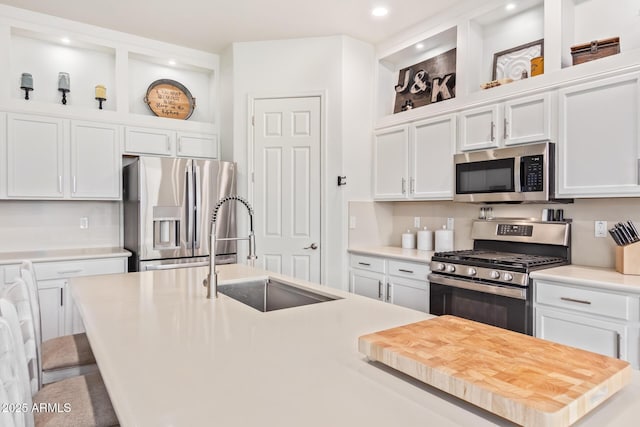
[[269, 295]]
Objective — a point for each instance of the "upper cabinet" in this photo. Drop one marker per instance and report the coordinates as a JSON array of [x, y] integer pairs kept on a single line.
[[163, 142], [599, 138], [391, 163]]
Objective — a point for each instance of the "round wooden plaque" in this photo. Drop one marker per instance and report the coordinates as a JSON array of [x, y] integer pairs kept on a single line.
[[169, 98]]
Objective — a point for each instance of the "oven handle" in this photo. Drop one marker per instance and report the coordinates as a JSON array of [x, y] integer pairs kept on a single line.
[[485, 288]]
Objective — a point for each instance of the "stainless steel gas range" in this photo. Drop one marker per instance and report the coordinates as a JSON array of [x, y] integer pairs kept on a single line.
[[490, 283]]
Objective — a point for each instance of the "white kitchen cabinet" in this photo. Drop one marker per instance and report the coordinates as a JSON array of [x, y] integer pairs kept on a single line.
[[59, 316], [159, 142], [401, 283], [516, 121], [599, 138], [592, 319], [391, 163], [35, 156], [198, 145], [415, 162], [3, 155], [96, 162]]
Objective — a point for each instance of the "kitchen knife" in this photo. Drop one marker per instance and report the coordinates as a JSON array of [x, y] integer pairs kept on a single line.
[[620, 234], [625, 233], [615, 238], [634, 231]]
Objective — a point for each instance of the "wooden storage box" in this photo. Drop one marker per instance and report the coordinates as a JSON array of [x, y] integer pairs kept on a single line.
[[595, 50], [628, 259]]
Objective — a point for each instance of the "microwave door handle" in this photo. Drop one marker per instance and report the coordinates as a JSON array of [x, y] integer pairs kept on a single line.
[[519, 174], [198, 210]]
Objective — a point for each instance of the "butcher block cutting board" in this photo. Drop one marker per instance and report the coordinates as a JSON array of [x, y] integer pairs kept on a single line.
[[526, 380]]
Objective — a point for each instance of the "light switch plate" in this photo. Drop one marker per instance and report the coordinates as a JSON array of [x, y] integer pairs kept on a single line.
[[416, 222], [600, 228], [84, 222], [450, 224]]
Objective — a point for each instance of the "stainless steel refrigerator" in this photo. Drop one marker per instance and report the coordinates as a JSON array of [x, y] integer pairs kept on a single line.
[[167, 208]]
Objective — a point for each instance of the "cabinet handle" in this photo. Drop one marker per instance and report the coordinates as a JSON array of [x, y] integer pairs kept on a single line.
[[493, 126], [405, 271], [59, 183], [638, 171], [379, 289], [70, 271], [404, 185], [366, 264], [618, 344], [506, 125], [61, 297], [168, 144], [412, 185], [180, 146], [75, 185], [579, 301], [388, 292]]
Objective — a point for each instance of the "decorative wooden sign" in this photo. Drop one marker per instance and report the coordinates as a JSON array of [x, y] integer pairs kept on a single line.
[[169, 98], [426, 82]]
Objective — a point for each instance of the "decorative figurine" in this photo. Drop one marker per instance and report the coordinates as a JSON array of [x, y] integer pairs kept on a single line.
[[64, 86], [26, 84], [101, 95]]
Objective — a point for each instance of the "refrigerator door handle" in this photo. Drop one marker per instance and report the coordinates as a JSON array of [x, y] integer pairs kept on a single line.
[[190, 208], [198, 207]]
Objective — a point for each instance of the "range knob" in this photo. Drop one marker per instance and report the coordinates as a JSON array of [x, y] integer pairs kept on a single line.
[[451, 268], [472, 271], [508, 277], [440, 266], [494, 274]]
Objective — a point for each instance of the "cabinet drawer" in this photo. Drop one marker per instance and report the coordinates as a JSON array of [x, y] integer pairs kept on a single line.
[[411, 270], [10, 273], [149, 141], [584, 300], [87, 267], [364, 262]]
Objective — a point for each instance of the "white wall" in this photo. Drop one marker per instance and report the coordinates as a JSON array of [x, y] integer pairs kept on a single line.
[[38, 225], [338, 67]]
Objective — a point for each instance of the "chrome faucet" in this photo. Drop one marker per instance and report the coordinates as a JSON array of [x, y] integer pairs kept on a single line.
[[212, 278]]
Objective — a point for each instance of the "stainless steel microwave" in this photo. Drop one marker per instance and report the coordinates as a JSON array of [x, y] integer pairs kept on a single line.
[[522, 173]]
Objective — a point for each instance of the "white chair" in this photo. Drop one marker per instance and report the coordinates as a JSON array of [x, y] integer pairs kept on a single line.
[[61, 357], [79, 401]]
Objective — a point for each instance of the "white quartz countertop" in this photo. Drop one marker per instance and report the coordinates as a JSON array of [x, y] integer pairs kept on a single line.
[[394, 252], [171, 357], [62, 255], [604, 278]]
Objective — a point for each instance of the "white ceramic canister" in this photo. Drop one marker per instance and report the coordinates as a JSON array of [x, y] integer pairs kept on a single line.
[[444, 240], [425, 240], [408, 240]]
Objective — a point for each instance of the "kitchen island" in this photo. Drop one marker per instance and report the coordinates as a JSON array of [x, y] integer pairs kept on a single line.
[[170, 357]]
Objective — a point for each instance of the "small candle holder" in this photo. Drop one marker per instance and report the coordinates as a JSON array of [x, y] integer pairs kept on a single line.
[[26, 84], [64, 86], [101, 95], [64, 95]]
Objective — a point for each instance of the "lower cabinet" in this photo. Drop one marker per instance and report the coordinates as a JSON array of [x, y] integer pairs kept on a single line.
[[397, 282], [59, 315], [591, 319]]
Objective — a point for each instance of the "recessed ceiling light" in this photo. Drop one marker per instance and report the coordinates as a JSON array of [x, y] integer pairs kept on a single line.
[[420, 46], [510, 6], [65, 40], [380, 11], [172, 62]]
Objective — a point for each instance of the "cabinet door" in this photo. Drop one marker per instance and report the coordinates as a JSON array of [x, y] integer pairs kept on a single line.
[[599, 138], [432, 148], [367, 284], [527, 119], [391, 163], [598, 336], [73, 320], [478, 128], [408, 293], [35, 156], [95, 161], [51, 294], [149, 141], [201, 146]]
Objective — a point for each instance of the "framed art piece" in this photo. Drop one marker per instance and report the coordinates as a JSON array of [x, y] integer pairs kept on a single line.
[[512, 62]]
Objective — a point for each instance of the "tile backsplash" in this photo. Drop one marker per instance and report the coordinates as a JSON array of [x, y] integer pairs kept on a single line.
[[373, 219]]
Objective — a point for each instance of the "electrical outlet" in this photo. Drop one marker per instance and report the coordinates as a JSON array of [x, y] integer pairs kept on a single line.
[[352, 222], [449, 223], [600, 228], [84, 222], [416, 222]]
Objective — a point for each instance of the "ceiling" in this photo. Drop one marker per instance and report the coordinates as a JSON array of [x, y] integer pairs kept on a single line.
[[211, 25]]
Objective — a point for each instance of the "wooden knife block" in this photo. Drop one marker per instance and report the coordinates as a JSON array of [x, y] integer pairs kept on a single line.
[[628, 259]]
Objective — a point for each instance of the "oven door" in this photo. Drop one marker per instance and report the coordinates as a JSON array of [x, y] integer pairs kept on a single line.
[[502, 306]]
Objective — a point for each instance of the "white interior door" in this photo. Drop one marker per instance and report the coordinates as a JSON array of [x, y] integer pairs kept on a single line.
[[287, 185]]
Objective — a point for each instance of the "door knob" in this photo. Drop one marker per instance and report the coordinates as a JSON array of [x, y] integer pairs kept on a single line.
[[312, 246]]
